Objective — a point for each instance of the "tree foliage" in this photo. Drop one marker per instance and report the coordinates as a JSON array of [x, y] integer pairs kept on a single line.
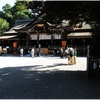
[[18, 12], [4, 25], [6, 13], [20, 16], [75, 11], [7, 8], [56, 11]]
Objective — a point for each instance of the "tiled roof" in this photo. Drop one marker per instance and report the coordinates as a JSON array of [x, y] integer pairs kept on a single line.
[[79, 34], [84, 26], [18, 24], [7, 37]]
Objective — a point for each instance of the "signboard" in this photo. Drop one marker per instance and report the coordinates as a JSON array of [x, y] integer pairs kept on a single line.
[[44, 36], [63, 43], [40, 25], [15, 44]]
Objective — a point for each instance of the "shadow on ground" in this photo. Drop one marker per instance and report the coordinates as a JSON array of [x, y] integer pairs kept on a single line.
[[23, 83]]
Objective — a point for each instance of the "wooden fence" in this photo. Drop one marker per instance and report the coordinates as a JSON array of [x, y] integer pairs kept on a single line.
[[93, 65]]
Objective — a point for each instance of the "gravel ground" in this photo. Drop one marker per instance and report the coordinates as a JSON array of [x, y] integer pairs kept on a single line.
[[45, 78]]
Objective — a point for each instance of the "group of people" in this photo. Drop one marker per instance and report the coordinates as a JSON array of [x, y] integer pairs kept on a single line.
[[31, 51], [70, 53]]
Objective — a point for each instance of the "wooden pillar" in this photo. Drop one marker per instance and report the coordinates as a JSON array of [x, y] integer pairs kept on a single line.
[[88, 56], [37, 37], [3, 44], [84, 44], [27, 41], [84, 49], [19, 42], [28, 38], [51, 39], [71, 42]]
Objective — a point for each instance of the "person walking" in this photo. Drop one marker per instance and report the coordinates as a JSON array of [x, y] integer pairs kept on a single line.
[[75, 54], [32, 52], [21, 52], [39, 50], [61, 52], [68, 55], [71, 55]]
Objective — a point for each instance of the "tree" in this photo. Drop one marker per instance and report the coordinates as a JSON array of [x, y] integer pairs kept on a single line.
[[7, 8], [56, 11], [20, 16], [7, 14], [75, 11], [22, 7], [4, 25], [20, 11], [36, 7]]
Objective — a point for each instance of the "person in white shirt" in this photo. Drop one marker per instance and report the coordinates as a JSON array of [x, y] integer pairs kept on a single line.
[[61, 52], [67, 51], [71, 50], [32, 52], [21, 52]]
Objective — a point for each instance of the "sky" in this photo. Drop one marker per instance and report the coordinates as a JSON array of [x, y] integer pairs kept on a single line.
[[3, 2]]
